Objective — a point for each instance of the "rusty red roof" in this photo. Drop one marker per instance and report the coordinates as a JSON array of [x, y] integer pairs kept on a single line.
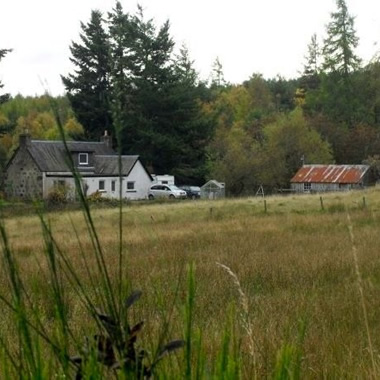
[[330, 174]]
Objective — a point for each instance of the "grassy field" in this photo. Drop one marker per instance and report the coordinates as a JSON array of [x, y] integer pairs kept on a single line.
[[293, 285]]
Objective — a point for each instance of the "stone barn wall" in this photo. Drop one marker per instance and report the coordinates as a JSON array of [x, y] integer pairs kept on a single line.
[[23, 179]]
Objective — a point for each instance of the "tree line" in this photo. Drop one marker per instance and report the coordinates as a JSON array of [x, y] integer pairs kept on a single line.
[[129, 78]]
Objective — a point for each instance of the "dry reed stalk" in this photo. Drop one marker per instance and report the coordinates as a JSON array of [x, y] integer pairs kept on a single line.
[[245, 319], [361, 291]]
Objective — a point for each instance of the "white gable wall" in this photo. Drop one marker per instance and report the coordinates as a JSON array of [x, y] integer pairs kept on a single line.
[[138, 177], [142, 182]]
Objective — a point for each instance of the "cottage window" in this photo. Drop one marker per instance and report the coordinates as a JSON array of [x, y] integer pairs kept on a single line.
[[83, 158], [113, 186], [307, 187], [130, 186], [102, 185]]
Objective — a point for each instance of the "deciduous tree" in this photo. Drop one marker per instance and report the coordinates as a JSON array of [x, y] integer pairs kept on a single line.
[[290, 142], [236, 160], [234, 152]]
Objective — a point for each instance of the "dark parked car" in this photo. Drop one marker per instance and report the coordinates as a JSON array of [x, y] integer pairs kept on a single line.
[[193, 192]]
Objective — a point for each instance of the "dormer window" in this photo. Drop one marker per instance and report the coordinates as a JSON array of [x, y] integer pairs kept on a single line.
[[83, 158]]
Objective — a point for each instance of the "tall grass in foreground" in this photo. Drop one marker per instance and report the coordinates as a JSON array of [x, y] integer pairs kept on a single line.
[[295, 270], [361, 292], [45, 350]]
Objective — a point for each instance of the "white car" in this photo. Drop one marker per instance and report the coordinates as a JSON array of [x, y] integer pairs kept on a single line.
[[166, 191]]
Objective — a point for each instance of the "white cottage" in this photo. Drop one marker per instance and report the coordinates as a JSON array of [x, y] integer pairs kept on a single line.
[[38, 166]]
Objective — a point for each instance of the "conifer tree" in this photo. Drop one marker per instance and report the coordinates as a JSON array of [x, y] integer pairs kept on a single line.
[[310, 75], [340, 65], [339, 46], [141, 72], [156, 96], [217, 74], [4, 97], [88, 88]]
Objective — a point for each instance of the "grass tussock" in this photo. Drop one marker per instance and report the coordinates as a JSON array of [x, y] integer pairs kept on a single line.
[[287, 292]]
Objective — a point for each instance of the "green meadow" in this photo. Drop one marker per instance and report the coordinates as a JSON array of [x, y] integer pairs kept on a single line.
[[281, 287]]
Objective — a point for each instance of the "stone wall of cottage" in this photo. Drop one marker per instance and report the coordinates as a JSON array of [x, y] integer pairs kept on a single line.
[[23, 179]]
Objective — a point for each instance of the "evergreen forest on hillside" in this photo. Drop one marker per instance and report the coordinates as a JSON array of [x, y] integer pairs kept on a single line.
[[131, 79]]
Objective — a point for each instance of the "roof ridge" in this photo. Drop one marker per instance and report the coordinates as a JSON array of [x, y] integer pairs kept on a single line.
[[69, 141], [116, 155]]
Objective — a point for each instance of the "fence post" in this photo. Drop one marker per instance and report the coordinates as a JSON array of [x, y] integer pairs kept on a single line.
[[265, 205], [321, 200], [364, 204]]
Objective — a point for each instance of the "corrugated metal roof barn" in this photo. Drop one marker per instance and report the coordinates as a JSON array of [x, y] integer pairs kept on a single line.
[[330, 174], [321, 178]]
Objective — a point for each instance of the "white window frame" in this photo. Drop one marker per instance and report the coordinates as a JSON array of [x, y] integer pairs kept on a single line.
[[85, 162], [133, 189], [307, 187], [113, 185], [102, 188]]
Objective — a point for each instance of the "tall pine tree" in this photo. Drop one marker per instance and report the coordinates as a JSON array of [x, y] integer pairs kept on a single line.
[[156, 96], [4, 97], [310, 75], [89, 87], [121, 57], [339, 46], [340, 65], [192, 129], [141, 68], [217, 74]]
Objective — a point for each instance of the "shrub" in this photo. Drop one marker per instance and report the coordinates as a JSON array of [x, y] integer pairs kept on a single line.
[[96, 197], [58, 195]]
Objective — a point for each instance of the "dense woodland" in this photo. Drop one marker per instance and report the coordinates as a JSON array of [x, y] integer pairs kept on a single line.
[[131, 79]]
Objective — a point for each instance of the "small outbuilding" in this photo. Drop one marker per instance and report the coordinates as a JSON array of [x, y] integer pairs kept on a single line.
[[213, 190], [322, 178]]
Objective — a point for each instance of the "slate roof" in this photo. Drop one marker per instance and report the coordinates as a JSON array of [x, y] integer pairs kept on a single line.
[[330, 174], [50, 156], [109, 165]]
